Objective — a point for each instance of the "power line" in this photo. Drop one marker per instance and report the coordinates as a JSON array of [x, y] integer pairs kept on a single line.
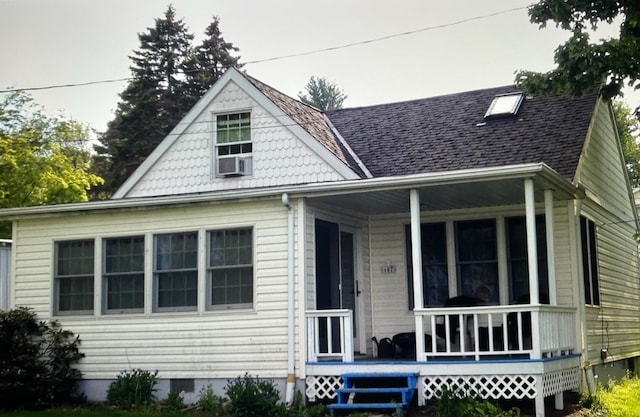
[[384, 38], [295, 55]]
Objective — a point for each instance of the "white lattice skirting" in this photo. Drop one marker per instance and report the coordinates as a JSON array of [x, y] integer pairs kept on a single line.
[[485, 386], [322, 387]]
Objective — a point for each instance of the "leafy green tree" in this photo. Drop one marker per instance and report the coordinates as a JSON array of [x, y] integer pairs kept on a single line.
[[322, 94], [628, 130], [169, 76], [582, 64], [43, 159]]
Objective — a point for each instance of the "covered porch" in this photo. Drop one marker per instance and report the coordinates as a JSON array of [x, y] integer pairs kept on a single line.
[[496, 347]]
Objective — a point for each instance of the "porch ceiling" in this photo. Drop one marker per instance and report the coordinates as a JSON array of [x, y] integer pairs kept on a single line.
[[440, 196]]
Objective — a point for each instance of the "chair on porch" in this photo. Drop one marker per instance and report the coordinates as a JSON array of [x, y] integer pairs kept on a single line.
[[513, 327], [406, 343], [454, 320]]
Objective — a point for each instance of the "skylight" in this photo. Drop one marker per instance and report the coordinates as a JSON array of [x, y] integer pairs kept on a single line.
[[505, 105]]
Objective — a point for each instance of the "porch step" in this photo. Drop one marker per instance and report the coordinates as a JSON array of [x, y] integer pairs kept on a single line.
[[376, 391]]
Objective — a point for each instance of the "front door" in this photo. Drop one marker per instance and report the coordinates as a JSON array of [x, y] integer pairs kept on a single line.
[[336, 278]]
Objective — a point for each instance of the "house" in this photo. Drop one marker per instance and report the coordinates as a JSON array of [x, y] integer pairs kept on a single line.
[[264, 236]]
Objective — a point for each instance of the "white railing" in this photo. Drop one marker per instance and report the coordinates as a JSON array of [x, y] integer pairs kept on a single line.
[[508, 331], [499, 332], [329, 335]]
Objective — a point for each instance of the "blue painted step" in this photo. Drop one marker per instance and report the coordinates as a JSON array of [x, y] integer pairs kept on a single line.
[[400, 386]]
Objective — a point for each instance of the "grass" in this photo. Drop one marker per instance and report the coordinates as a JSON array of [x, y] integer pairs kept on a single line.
[[91, 412], [620, 399]]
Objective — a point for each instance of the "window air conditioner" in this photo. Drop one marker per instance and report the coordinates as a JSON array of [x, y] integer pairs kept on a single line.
[[231, 166]]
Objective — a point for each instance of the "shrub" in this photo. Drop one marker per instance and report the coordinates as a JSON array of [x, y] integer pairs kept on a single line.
[[36, 361], [133, 388], [454, 403], [252, 397], [173, 402], [209, 403]]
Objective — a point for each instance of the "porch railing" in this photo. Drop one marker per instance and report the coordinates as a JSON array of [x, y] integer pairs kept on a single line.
[[507, 331], [469, 333], [329, 335]]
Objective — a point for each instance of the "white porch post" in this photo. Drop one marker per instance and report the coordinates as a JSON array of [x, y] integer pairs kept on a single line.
[[416, 258], [551, 253], [532, 250], [532, 255]]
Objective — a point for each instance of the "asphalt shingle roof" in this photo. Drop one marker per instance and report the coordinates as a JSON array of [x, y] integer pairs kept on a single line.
[[449, 132]]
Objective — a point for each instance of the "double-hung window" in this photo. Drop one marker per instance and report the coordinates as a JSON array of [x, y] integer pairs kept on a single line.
[[589, 262], [435, 275], [74, 277], [124, 274], [176, 271], [233, 143], [477, 259], [230, 268], [517, 260]]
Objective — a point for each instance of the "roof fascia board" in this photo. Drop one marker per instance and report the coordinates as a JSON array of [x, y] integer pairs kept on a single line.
[[551, 179], [231, 74]]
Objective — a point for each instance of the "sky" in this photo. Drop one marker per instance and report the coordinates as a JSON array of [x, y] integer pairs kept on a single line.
[[399, 50]]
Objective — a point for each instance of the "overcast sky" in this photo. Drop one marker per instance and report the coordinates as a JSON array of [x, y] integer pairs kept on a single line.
[[457, 45]]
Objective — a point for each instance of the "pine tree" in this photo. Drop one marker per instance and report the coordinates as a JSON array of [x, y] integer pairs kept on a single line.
[[209, 61], [169, 76]]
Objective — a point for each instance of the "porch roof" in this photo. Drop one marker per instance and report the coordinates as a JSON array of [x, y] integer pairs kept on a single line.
[[467, 188], [462, 189]]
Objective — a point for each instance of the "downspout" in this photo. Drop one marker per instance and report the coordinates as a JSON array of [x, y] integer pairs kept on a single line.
[[291, 375]]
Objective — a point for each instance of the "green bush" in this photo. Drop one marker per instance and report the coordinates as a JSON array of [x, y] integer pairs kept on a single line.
[[210, 403], [454, 403], [133, 388], [36, 362], [252, 397], [173, 403], [619, 399]]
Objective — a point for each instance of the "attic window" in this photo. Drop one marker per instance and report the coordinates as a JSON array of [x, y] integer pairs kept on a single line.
[[505, 105]]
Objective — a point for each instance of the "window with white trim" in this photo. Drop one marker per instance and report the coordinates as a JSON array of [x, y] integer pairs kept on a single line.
[[176, 271], [477, 259], [230, 268], [123, 274], [74, 277], [589, 262], [233, 144], [518, 260]]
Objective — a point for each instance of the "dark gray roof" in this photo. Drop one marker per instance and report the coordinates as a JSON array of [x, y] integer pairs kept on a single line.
[[449, 132]]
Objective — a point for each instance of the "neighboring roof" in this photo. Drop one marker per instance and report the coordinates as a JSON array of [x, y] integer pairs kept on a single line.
[[448, 133]]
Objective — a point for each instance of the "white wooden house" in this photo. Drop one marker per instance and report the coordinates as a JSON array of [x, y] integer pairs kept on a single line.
[[264, 236]]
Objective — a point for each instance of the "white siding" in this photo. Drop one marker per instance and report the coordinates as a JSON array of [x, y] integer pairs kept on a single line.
[[614, 325], [209, 344], [279, 157], [601, 170]]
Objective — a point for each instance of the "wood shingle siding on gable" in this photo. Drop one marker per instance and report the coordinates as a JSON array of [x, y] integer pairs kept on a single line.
[[202, 344], [279, 157]]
